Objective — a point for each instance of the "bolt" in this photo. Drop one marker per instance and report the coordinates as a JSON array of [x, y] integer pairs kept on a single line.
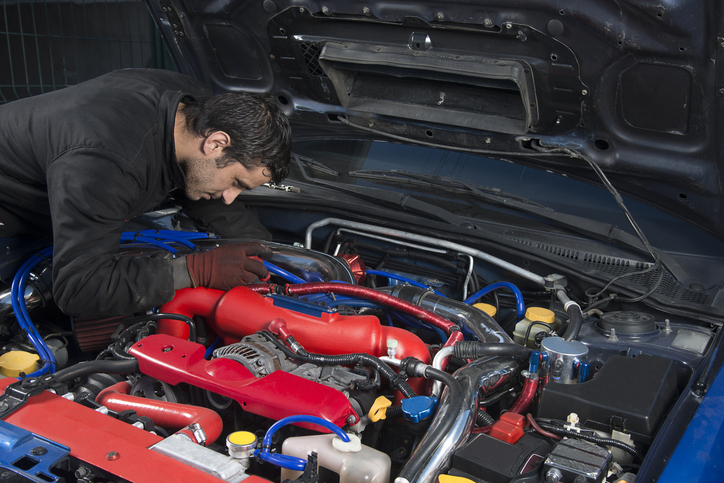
[[553, 475], [721, 91], [584, 92], [350, 419], [508, 25], [112, 456], [167, 349], [325, 10], [721, 44], [487, 22], [81, 472], [366, 11], [38, 451], [440, 16]]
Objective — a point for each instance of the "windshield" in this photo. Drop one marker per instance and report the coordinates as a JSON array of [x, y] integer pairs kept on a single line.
[[341, 161]]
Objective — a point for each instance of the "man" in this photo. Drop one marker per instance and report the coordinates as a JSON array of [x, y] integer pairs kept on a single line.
[[81, 161]]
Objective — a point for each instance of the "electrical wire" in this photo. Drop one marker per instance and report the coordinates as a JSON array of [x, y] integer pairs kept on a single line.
[[394, 276], [519, 303], [17, 299], [286, 275], [158, 238], [287, 461]]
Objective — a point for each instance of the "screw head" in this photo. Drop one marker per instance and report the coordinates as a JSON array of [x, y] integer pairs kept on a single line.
[[112, 456], [38, 451]]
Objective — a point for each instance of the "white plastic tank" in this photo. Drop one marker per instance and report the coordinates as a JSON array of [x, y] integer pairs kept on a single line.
[[353, 461], [534, 314]]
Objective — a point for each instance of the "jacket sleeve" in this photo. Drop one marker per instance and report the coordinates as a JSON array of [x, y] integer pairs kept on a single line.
[[228, 221], [92, 193]]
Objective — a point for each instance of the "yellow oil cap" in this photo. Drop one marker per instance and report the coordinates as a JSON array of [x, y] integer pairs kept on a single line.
[[379, 409], [453, 479], [14, 362], [241, 438], [487, 308], [540, 314]]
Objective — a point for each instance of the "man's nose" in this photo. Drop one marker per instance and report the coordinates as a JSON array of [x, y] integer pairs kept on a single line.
[[229, 195]]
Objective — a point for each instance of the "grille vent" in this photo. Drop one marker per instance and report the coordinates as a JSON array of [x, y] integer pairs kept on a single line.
[[613, 266], [310, 51], [694, 296]]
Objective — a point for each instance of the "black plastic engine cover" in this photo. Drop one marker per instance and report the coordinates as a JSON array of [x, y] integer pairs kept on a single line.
[[628, 394]]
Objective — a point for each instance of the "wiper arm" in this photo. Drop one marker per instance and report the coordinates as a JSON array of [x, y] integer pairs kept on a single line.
[[495, 196], [449, 184], [400, 200], [315, 166]]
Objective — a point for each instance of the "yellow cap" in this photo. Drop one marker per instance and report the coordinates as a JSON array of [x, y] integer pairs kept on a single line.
[[540, 314], [241, 438], [453, 479], [379, 409], [487, 308], [14, 362]]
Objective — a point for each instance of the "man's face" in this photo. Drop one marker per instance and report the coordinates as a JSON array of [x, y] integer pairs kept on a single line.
[[204, 180]]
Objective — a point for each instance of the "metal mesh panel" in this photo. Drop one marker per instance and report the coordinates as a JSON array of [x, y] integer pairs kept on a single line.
[[53, 44]]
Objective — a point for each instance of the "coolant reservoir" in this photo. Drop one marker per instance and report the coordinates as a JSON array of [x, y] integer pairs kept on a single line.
[[353, 461], [534, 314]]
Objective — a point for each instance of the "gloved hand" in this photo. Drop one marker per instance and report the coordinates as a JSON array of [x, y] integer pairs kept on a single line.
[[228, 266]]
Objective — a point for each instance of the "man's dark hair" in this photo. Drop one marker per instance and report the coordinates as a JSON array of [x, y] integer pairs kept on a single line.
[[259, 130]]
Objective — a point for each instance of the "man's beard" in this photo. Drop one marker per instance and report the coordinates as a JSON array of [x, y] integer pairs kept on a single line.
[[199, 174]]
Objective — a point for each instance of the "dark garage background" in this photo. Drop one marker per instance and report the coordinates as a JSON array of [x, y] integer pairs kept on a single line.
[[47, 45]]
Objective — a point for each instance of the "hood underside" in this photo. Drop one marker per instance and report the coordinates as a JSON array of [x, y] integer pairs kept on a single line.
[[635, 87]]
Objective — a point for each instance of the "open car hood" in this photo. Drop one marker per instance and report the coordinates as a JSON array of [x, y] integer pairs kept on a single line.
[[636, 87]]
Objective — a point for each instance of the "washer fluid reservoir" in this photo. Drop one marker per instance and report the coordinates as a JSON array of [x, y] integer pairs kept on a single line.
[[353, 461]]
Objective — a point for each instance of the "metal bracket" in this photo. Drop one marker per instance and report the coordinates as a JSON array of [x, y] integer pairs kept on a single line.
[[18, 393]]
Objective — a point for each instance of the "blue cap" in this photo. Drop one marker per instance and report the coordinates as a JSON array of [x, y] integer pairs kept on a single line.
[[417, 408]]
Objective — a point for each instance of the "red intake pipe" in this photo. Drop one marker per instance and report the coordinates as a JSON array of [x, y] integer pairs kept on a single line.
[[168, 415], [241, 311]]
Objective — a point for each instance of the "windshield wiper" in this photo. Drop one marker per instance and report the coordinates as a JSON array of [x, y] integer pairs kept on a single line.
[[586, 226], [442, 182], [399, 200]]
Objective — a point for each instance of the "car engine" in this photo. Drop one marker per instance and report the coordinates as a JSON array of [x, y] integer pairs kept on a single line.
[[370, 355]]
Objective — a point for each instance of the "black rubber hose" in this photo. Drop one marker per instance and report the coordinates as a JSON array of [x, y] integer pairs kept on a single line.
[[575, 322], [429, 444], [119, 354], [97, 367], [476, 350], [484, 419], [183, 318], [592, 439], [396, 381]]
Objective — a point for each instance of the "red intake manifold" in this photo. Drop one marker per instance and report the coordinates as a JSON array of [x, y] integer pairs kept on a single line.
[[241, 311]]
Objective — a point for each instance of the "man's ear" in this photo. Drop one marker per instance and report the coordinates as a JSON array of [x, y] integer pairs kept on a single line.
[[216, 142]]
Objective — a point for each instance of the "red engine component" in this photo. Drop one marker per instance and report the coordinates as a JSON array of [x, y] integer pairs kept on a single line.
[[173, 416], [278, 395], [241, 311], [93, 437]]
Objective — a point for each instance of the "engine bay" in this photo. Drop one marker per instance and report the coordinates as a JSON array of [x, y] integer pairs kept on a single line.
[[371, 355]]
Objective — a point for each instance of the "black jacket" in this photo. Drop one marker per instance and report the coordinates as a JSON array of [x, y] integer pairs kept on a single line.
[[80, 162]]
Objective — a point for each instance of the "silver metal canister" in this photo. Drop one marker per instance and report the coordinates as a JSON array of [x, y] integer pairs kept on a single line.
[[563, 358]]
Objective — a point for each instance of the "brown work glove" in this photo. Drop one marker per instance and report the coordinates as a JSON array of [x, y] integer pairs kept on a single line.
[[228, 266]]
